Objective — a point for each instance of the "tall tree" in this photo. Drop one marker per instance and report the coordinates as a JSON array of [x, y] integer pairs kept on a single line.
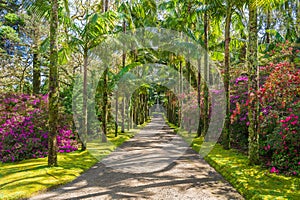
[[36, 72], [105, 95], [226, 134], [253, 85], [206, 73], [53, 86]]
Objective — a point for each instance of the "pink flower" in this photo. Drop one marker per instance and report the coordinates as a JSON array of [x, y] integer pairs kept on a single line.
[[288, 119], [294, 122], [274, 170]]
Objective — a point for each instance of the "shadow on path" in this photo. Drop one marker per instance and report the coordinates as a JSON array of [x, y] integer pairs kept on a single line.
[[155, 164]]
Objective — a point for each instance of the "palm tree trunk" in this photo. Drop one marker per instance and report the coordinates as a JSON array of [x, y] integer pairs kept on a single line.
[[206, 76], [36, 73], [84, 107], [180, 92], [105, 105], [199, 129], [123, 100], [253, 106], [268, 26], [53, 86], [117, 110], [298, 19], [123, 116], [127, 102], [226, 133], [106, 6]]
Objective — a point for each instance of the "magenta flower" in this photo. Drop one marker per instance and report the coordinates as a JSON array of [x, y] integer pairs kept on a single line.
[[294, 122], [274, 170]]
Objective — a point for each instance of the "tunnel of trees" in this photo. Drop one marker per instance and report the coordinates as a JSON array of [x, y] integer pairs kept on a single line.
[[46, 47]]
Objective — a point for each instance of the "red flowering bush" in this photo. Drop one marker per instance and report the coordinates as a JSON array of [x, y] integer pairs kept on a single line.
[[282, 149], [279, 125], [24, 129], [279, 96]]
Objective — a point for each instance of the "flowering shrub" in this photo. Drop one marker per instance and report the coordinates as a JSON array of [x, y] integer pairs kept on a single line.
[[239, 116], [23, 128], [279, 96], [279, 124]]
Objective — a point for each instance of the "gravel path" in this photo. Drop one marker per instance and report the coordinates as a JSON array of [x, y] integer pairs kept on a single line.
[[155, 164]]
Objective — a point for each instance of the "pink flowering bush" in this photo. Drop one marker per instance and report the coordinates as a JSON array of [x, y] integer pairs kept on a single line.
[[24, 129], [239, 112], [279, 96], [279, 119]]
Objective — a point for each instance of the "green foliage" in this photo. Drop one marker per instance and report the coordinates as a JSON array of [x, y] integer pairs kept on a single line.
[[8, 33], [13, 19]]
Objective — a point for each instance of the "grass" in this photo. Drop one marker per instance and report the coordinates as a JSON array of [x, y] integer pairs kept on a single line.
[[23, 179], [26, 178], [253, 182]]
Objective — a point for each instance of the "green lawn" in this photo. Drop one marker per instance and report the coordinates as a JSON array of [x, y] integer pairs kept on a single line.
[[24, 179], [253, 182]]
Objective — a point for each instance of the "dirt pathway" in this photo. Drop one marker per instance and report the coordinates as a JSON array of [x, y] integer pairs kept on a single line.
[[155, 164]]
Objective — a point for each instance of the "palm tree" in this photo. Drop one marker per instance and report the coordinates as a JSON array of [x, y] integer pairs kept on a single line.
[[226, 135], [253, 81], [53, 86]]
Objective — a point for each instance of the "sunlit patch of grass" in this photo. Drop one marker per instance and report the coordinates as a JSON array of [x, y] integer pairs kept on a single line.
[[22, 179], [26, 178], [253, 182]]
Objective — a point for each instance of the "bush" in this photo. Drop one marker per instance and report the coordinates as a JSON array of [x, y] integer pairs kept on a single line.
[[24, 129], [279, 96]]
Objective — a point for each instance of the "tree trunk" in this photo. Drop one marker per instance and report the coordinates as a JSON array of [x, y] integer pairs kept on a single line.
[[123, 99], [105, 105], [127, 102], [106, 6], [117, 110], [199, 129], [268, 26], [298, 19], [206, 76], [123, 115], [180, 92], [253, 106], [53, 87], [226, 132], [36, 81], [84, 107]]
